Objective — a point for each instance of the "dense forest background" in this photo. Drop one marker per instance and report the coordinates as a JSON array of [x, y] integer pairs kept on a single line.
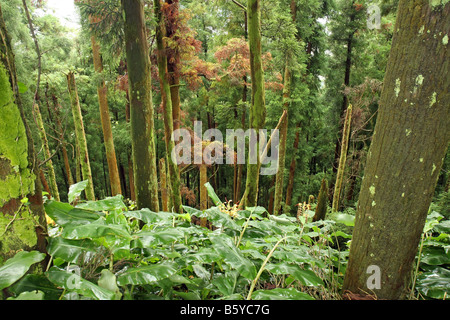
[[324, 63]]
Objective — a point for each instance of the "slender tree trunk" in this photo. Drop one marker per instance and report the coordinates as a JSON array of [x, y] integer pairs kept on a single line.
[[258, 107], [174, 63], [167, 106], [56, 108], [322, 201], [80, 136], [405, 157], [203, 190], [141, 106], [48, 156], [19, 173], [163, 182], [278, 197], [342, 159], [290, 186], [102, 91]]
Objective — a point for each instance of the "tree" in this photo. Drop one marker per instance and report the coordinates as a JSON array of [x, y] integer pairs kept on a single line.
[[80, 136], [258, 107], [20, 187], [105, 118], [174, 174], [141, 106], [410, 141]]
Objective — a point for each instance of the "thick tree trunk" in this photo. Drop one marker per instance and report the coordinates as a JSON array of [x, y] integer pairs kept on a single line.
[[47, 154], [258, 106], [410, 141], [113, 170], [167, 106], [19, 173], [80, 136], [141, 105]]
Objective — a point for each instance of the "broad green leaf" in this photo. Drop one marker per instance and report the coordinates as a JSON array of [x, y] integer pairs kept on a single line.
[[96, 229], [146, 274], [73, 282], [147, 239], [204, 256], [435, 283], [108, 281], [150, 217], [64, 214], [306, 277], [212, 194], [76, 189], [33, 282], [434, 256], [71, 250], [224, 246], [281, 294], [226, 283], [30, 295], [201, 272], [16, 267], [108, 204], [221, 219]]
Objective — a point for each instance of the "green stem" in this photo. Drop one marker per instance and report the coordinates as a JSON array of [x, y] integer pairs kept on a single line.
[[249, 296]]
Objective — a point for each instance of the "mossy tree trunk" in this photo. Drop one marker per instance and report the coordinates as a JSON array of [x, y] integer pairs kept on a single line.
[[141, 106], [22, 227], [342, 159], [167, 106], [163, 185], [80, 136], [322, 201], [410, 141], [258, 105], [102, 91], [48, 155]]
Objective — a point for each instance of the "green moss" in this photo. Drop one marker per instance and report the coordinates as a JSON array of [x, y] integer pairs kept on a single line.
[[20, 233], [16, 178]]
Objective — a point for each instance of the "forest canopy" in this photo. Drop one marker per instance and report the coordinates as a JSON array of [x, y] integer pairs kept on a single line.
[[225, 149]]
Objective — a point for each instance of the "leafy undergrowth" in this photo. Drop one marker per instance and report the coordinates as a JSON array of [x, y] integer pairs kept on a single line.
[[104, 250]]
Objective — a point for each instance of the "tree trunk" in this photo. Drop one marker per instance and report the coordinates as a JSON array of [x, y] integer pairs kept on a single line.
[[163, 183], [167, 106], [174, 63], [203, 190], [19, 174], [47, 154], [410, 141], [290, 186], [56, 108], [102, 91], [80, 136], [141, 106], [342, 159], [278, 197], [322, 200], [258, 107]]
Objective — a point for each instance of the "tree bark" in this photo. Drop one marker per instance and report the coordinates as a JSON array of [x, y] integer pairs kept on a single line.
[[19, 173], [342, 159], [102, 91], [290, 186], [48, 155], [141, 106], [167, 106], [258, 107], [80, 136], [163, 183], [410, 141]]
